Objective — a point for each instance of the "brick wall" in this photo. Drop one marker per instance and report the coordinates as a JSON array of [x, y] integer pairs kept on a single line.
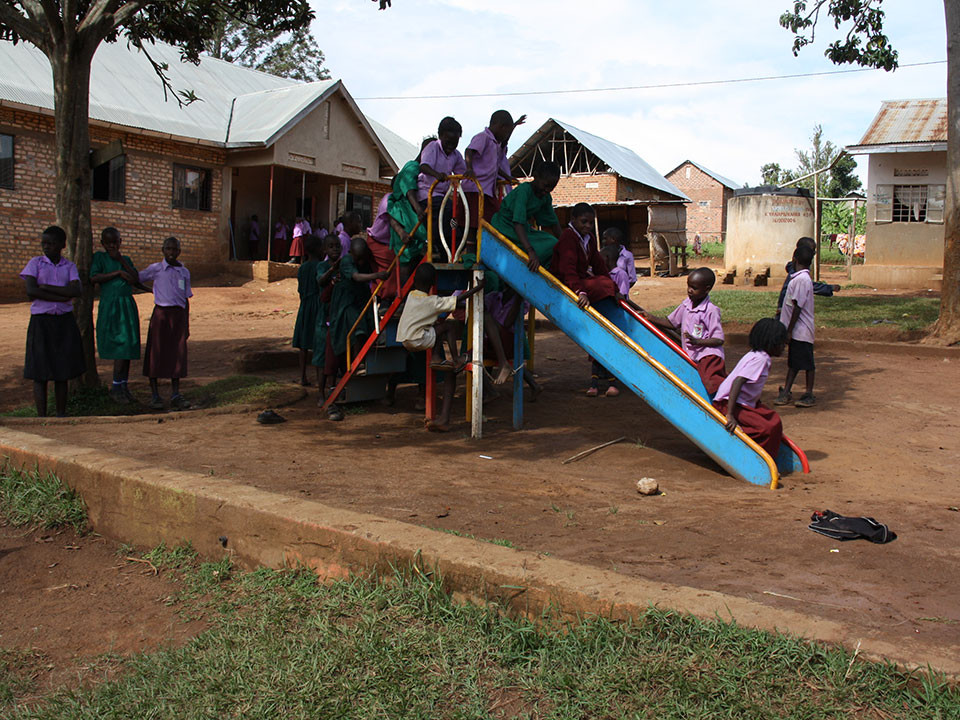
[[709, 219], [144, 219], [586, 188]]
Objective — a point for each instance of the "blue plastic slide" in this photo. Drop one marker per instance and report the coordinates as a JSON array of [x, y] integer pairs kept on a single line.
[[643, 360]]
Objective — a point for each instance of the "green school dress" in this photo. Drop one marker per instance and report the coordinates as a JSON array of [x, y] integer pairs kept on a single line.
[[349, 298], [399, 208], [518, 207], [323, 315], [305, 327], [118, 322]]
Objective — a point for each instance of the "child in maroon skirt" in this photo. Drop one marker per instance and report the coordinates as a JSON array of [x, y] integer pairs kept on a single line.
[[166, 352], [701, 333], [739, 394]]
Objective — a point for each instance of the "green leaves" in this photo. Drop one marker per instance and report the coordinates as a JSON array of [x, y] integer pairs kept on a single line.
[[864, 43]]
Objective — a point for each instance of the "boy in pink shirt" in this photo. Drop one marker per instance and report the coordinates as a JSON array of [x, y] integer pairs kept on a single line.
[[439, 160], [701, 333], [797, 316], [738, 396]]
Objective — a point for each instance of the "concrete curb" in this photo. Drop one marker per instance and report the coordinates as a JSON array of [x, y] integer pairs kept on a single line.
[[133, 502]]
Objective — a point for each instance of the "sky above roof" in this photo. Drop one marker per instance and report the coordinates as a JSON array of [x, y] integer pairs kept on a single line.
[[442, 47]]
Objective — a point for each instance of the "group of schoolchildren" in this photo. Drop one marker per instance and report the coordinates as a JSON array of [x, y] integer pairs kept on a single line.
[[339, 269], [54, 350]]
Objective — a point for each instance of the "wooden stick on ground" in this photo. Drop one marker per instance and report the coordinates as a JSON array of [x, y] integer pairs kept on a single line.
[[591, 451], [145, 562]]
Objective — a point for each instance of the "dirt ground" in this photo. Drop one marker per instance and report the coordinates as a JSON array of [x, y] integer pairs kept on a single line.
[[70, 605], [882, 442]]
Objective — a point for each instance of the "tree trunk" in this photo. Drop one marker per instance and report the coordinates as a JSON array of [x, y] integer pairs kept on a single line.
[[70, 62], [947, 329]]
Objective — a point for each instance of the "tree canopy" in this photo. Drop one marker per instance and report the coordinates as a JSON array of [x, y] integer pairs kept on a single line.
[[836, 182], [293, 55]]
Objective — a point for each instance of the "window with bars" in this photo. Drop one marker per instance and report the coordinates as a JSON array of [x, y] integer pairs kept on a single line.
[[191, 188], [6, 161], [909, 203], [110, 181], [362, 204]]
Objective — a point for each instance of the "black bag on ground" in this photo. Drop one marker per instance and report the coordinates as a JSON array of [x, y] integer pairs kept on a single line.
[[839, 527]]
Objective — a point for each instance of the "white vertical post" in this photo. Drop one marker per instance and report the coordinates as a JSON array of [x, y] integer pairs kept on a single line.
[[476, 337]]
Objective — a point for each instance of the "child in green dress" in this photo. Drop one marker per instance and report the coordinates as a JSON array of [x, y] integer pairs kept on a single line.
[[404, 211], [118, 322], [350, 295], [324, 358], [532, 200], [305, 327]]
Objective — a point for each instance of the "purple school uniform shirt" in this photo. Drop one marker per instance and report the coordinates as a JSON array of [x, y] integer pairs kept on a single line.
[[171, 283], [754, 367], [801, 290], [487, 162], [344, 240], [46, 273], [628, 264], [280, 231], [380, 230], [703, 322], [434, 156], [302, 228]]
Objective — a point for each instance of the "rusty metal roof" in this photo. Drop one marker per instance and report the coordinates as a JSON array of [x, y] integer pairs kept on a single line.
[[908, 121]]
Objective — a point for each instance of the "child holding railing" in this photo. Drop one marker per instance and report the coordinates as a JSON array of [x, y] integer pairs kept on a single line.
[[405, 211], [438, 160], [350, 296]]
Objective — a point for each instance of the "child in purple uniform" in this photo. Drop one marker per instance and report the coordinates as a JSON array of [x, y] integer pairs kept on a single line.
[[439, 160], [701, 333], [486, 160], [610, 254], [797, 317], [613, 237], [166, 352], [738, 396], [54, 348]]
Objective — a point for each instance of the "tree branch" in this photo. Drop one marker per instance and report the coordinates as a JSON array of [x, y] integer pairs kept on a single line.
[[26, 28]]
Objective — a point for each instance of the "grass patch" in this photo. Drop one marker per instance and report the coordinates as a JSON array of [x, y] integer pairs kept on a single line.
[[909, 313], [281, 645], [32, 498], [711, 249], [502, 542], [237, 390], [233, 390]]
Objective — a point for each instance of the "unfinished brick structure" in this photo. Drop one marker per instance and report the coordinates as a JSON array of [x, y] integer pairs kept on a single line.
[[616, 181], [708, 193]]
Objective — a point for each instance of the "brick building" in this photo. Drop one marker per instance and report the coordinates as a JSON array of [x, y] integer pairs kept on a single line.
[[708, 193], [252, 144], [625, 190]]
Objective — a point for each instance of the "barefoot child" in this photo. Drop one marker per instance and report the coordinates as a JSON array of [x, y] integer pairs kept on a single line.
[[701, 332], [421, 329], [500, 315], [738, 396], [118, 322], [166, 353], [797, 317], [54, 348], [324, 359], [305, 327]]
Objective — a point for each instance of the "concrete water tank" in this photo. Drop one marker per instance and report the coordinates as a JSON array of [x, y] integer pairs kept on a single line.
[[763, 226]]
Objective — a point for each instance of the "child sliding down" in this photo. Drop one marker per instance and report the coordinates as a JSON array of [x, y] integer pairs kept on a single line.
[[422, 329]]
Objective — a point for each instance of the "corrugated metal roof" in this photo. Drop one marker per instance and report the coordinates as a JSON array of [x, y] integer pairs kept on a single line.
[[254, 107], [908, 121], [621, 160], [732, 184], [400, 150]]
